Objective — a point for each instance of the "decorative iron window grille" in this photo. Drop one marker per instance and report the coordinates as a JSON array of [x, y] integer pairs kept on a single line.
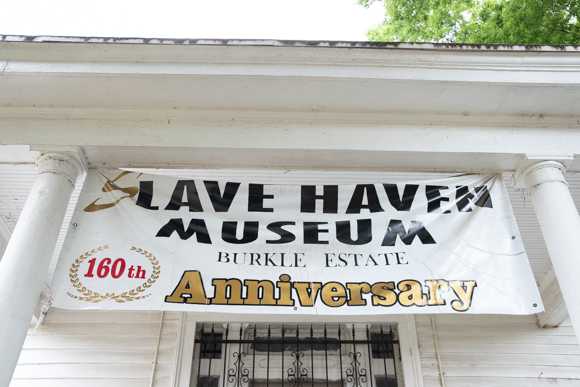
[[236, 355], [210, 346]]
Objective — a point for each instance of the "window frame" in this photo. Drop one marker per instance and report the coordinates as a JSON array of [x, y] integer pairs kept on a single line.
[[406, 333]]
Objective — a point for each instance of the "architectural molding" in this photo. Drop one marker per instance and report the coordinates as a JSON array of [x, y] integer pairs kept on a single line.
[[135, 115], [530, 163], [410, 357], [184, 350], [290, 76], [72, 154], [235, 144], [60, 163]]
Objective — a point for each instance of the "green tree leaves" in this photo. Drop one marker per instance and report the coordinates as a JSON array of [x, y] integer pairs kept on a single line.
[[553, 22]]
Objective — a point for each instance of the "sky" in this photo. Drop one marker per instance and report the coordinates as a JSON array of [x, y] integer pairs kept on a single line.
[[218, 19]]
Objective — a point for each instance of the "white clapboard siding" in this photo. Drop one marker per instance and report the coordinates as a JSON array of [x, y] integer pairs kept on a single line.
[[98, 348], [497, 351]]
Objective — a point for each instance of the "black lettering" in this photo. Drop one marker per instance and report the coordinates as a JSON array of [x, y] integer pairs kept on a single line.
[[356, 257], [298, 259], [268, 257], [311, 232], [364, 232], [415, 229], [434, 199], [146, 195], [221, 255], [257, 259], [373, 205], [329, 259], [250, 232], [370, 258], [236, 259], [256, 198], [401, 259], [465, 199], [329, 199], [282, 255], [192, 197], [285, 236], [196, 226], [221, 203], [342, 259], [405, 203], [387, 258]]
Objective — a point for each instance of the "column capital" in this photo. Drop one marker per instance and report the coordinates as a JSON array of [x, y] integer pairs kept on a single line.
[[542, 172], [534, 170], [61, 164]]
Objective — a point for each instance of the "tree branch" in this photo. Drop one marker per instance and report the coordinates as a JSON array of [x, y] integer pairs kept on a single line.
[[557, 29]]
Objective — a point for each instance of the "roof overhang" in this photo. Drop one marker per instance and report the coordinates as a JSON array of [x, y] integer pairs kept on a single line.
[[312, 105]]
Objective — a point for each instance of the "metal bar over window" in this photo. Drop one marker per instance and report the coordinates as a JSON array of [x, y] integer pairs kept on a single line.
[[269, 356]]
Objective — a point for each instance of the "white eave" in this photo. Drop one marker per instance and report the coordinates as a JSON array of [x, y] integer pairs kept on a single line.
[[299, 104]]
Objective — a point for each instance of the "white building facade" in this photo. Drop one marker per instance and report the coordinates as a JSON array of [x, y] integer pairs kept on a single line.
[[289, 112]]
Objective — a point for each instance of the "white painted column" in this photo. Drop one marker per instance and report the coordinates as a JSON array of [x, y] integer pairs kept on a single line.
[[560, 225], [28, 254]]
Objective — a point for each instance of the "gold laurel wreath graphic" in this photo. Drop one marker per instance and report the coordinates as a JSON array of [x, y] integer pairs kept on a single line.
[[131, 295]]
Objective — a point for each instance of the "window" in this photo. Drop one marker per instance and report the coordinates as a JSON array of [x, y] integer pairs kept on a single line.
[[236, 355]]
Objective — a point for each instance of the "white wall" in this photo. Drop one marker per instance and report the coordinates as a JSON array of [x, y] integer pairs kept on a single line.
[[498, 351], [102, 348], [97, 348]]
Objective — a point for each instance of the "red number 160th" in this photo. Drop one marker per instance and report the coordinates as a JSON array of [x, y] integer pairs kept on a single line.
[[116, 270]]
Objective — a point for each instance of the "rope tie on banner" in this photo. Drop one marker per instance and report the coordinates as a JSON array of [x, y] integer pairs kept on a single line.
[[45, 305]]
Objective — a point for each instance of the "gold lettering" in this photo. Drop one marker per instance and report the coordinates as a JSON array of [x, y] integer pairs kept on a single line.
[[307, 292], [253, 293], [436, 288], [356, 291], [221, 288], [285, 287], [383, 294], [333, 294], [411, 293], [190, 289], [463, 290]]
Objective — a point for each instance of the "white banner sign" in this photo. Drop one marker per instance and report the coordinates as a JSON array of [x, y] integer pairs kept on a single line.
[[154, 242]]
